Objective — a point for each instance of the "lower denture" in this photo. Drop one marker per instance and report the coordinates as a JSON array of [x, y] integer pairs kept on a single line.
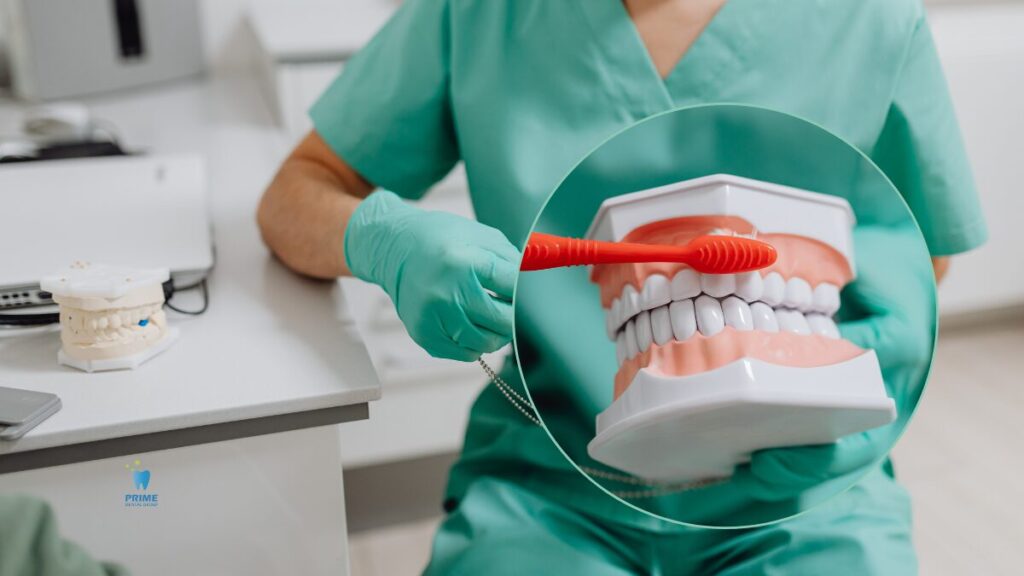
[[701, 353]]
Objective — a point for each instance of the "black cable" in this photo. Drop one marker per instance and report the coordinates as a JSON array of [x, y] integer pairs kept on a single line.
[[206, 299]]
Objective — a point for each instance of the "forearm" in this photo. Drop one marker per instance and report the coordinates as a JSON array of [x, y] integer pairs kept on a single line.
[[305, 210], [941, 266]]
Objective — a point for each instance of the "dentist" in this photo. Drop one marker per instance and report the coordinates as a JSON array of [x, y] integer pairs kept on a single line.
[[520, 91]]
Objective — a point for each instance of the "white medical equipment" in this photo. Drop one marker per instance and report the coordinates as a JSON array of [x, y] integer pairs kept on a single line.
[[62, 48]]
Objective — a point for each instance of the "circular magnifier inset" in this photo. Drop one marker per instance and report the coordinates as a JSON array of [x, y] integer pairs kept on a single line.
[[687, 375]]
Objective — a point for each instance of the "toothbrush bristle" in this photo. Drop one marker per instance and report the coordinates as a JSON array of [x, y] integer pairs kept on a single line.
[[732, 254]]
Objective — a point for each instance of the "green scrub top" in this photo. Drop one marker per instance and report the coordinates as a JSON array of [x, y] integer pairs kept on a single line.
[[521, 90]]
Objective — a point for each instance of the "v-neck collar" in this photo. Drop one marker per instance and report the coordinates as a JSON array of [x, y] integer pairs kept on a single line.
[[628, 64]]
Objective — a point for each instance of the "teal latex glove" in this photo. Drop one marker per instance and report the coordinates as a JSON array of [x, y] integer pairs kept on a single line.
[[450, 278], [889, 308]]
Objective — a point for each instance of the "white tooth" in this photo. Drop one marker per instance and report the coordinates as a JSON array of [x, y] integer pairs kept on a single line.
[[764, 317], [644, 336], [737, 314], [785, 319], [831, 330], [815, 321], [822, 325], [718, 285], [749, 286], [620, 348], [661, 325], [774, 289], [792, 321], [798, 294], [630, 302], [826, 298], [126, 318], [616, 313], [682, 318], [709, 315], [159, 318], [802, 327], [115, 320], [685, 284], [631, 348], [102, 323], [656, 292]]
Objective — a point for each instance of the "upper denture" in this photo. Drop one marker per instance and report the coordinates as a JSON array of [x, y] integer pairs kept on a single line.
[[670, 318]]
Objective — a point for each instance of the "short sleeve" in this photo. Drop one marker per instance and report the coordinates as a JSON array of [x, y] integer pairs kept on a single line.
[[922, 152], [388, 113]]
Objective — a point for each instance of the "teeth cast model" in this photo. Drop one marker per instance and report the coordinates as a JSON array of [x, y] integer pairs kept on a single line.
[[714, 346], [110, 317]]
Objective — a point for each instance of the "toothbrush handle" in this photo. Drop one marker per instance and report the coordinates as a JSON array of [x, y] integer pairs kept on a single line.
[[544, 251]]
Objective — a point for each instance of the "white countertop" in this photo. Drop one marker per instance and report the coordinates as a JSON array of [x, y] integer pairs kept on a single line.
[[270, 344]]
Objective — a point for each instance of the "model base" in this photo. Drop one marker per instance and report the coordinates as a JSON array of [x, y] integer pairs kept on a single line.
[[670, 428], [123, 363]]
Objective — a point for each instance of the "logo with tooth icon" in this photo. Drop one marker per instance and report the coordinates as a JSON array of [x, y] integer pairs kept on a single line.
[[140, 478], [141, 496]]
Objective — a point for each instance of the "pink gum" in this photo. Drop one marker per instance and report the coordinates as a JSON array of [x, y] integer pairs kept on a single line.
[[701, 353], [807, 258]]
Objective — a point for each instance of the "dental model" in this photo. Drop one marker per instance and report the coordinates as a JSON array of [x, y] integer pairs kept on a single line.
[[111, 318], [714, 367]]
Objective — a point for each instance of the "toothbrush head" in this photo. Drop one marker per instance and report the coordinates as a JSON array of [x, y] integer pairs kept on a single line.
[[720, 254]]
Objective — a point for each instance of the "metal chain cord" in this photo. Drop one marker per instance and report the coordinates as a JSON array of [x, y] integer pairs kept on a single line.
[[652, 488], [518, 401]]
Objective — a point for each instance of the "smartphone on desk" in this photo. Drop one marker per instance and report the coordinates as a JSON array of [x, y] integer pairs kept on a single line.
[[22, 410]]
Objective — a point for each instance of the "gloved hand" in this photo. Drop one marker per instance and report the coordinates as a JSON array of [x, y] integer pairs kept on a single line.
[[889, 308], [450, 278]]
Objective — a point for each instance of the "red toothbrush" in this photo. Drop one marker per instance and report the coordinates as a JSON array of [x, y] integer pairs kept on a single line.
[[711, 254]]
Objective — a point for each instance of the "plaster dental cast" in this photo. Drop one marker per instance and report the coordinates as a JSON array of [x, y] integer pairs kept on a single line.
[[110, 317], [520, 92]]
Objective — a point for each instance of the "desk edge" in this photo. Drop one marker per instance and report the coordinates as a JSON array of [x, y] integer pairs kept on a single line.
[[181, 437]]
